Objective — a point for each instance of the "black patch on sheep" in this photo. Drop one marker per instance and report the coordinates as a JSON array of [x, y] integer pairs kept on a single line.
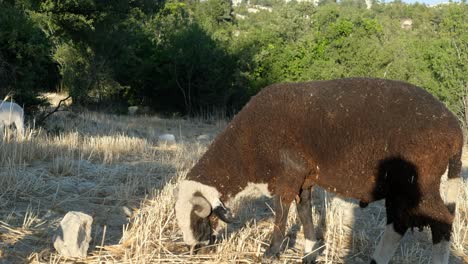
[[223, 214], [397, 182]]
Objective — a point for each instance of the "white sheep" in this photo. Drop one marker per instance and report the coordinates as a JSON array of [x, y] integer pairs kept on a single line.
[[11, 113]]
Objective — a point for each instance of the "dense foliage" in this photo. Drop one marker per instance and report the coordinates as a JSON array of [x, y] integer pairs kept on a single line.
[[26, 66], [191, 56]]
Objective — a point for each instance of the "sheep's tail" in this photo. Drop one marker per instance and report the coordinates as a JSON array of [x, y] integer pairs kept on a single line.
[[454, 181], [454, 166]]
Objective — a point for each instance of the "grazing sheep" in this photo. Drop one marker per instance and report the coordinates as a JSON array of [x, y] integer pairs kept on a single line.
[[368, 139], [11, 113]]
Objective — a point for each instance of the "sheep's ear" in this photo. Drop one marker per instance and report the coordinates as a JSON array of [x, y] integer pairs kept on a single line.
[[201, 206], [223, 213], [175, 192]]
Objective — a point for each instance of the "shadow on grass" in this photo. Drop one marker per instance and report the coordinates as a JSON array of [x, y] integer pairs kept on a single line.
[[259, 213]]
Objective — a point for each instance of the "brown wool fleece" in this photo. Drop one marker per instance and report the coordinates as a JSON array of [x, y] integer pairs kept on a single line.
[[342, 135]]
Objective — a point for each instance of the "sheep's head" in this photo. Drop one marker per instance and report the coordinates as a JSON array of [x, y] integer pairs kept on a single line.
[[193, 210]]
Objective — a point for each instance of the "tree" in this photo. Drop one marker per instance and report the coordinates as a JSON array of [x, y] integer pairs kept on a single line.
[[97, 34], [26, 66], [193, 69]]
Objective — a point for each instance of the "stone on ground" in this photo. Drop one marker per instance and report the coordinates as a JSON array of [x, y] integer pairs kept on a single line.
[[73, 235], [167, 139]]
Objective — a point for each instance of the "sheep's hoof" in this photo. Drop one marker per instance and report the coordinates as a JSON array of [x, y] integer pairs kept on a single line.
[[271, 256], [206, 250], [309, 259], [270, 260]]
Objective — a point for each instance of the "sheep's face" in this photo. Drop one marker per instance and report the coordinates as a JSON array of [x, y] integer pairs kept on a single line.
[[193, 213], [200, 227]]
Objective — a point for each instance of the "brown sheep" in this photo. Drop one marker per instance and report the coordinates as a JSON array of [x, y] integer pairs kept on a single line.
[[367, 139]]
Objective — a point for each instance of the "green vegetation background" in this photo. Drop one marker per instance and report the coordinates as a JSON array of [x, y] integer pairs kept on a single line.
[[190, 57]]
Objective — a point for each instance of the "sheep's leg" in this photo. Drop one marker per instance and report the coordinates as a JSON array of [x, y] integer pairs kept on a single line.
[[281, 215], [392, 235], [292, 171], [441, 232], [440, 243], [441, 228], [305, 214], [19, 127], [387, 245]]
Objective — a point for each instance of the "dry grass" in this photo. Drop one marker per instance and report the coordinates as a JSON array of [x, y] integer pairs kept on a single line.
[[113, 168]]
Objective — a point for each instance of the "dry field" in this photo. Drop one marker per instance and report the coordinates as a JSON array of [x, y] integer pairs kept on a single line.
[[113, 168]]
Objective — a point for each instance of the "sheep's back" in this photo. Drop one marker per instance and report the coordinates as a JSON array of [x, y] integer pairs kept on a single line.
[[343, 129], [10, 112]]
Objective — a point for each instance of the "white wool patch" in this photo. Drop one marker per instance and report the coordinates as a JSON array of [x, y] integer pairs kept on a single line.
[[387, 245], [452, 190], [441, 252], [183, 206], [254, 190], [309, 245]]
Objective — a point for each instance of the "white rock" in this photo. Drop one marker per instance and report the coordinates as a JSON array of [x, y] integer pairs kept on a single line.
[[204, 137], [132, 110], [127, 211], [73, 235], [167, 138], [252, 10]]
